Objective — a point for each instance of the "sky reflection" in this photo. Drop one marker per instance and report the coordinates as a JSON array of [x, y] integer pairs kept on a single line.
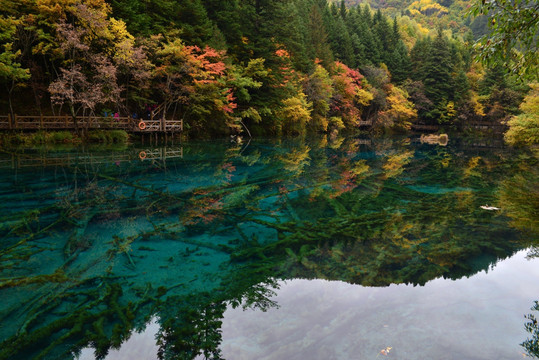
[[480, 317]]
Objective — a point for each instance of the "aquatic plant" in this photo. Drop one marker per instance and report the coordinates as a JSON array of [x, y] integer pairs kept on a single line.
[[181, 239]]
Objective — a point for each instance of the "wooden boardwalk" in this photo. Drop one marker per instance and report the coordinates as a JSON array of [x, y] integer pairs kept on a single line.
[[478, 125], [65, 122]]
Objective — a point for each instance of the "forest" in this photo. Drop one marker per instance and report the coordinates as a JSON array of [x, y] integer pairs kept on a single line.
[[261, 67]]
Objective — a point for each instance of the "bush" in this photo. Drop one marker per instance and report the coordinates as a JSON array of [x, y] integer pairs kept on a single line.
[[108, 136], [524, 128], [119, 136], [60, 137]]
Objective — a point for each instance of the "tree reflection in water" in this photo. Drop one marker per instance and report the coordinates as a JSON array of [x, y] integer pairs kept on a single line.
[[531, 345], [95, 250]]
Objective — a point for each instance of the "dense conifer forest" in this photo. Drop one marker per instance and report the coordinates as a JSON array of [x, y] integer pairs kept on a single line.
[[258, 66]]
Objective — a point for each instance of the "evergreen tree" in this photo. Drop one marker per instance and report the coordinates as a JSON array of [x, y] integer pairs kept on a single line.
[[343, 10], [341, 43], [226, 15], [382, 31], [358, 51], [399, 63], [418, 55], [437, 75], [371, 44], [396, 36], [191, 17], [320, 48]]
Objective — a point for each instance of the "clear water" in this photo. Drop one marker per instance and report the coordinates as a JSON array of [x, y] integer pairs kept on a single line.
[[297, 249]]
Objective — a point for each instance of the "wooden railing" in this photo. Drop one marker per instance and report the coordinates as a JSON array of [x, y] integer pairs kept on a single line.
[[365, 123], [425, 127], [161, 154], [65, 122]]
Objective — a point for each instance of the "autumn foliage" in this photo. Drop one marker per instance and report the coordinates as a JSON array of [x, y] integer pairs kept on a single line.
[[265, 67]]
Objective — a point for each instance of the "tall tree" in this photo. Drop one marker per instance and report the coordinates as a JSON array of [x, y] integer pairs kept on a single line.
[[11, 71], [319, 38], [399, 63]]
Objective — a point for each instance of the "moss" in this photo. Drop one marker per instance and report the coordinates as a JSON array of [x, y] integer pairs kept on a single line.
[[57, 277], [84, 320]]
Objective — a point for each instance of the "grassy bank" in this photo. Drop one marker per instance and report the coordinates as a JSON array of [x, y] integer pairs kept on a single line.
[[63, 137]]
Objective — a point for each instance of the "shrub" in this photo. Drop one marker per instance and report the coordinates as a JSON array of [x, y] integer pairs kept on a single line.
[[108, 137], [524, 128], [61, 137]]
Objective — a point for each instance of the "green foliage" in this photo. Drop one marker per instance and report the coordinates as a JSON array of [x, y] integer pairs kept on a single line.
[[10, 70], [531, 345], [39, 138], [108, 136], [512, 39], [372, 214], [318, 88], [61, 137], [230, 66]]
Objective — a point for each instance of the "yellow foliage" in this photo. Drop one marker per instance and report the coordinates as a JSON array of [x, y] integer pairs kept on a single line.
[[531, 101], [364, 97], [335, 122], [296, 160], [475, 75], [423, 30], [395, 164], [54, 9], [124, 42], [398, 99], [295, 113], [477, 106], [524, 128], [451, 112], [400, 111], [360, 168], [427, 7], [470, 168]]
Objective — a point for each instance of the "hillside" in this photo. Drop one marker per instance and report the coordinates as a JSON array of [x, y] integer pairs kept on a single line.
[[447, 14]]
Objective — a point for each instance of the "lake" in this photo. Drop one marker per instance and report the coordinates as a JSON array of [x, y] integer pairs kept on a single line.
[[346, 248]]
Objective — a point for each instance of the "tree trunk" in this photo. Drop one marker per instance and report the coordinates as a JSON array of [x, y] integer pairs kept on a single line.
[[74, 117], [10, 92]]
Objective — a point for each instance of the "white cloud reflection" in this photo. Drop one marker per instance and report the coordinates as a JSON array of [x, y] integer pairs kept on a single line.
[[481, 317]]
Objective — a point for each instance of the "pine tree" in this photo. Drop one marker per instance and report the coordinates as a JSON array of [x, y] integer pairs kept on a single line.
[[319, 38], [418, 56], [438, 69], [399, 63], [343, 10], [341, 43]]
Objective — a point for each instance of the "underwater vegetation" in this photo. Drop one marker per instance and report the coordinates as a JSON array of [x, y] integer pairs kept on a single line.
[[95, 246]]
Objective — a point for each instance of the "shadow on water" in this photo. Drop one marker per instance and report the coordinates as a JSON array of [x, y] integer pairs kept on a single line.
[[96, 244]]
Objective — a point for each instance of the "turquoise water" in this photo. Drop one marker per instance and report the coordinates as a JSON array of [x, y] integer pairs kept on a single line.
[[293, 249]]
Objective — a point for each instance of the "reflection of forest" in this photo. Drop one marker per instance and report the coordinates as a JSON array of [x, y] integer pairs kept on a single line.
[[531, 345], [91, 252]]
